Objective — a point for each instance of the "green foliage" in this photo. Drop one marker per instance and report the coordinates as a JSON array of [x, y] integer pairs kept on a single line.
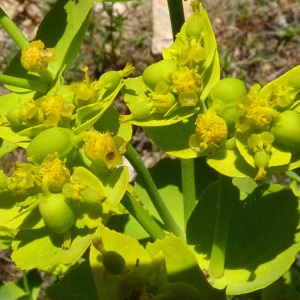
[[206, 224]]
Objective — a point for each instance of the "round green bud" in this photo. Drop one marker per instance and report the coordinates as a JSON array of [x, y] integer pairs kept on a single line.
[[224, 97], [14, 118], [142, 110], [261, 159], [57, 212], [159, 72], [286, 129], [111, 79], [113, 262], [188, 98], [49, 141], [194, 27]]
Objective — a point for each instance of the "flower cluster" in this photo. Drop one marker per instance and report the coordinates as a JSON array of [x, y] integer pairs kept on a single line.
[[178, 83]]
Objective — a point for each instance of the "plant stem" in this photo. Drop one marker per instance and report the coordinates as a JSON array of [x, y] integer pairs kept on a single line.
[[35, 85], [176, 15], [135, 160], [188, 187], [227, 195], [25, 283], [139, 213], [13, 31]]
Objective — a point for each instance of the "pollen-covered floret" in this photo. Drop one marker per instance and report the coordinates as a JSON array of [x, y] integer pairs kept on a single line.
[[53, 173], [186, 80], [24, 179], [258, 113], [104, 148], [211, 132], [36, 57]]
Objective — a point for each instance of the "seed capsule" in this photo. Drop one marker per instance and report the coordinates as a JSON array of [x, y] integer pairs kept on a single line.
[[49, 141], [113, 262], [159, 72], [286, 129], [57, 212]]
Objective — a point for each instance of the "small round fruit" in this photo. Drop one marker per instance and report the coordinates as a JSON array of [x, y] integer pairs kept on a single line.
[[286, 129], [159, 72], [113, 262], [57, 212], [49, 141], [111, 77]]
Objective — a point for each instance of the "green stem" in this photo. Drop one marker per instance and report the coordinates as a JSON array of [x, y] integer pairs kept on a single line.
[[25, 283], [34, 85], [227, 195], [135, 160], [188, 187], [176, 15], [13, 31], [139, 213]]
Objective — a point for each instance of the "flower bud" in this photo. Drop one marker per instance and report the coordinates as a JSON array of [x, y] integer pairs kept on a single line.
[[286, 129], [49, 141], [113, 262], [14, 118], [142, 110], [57, 212], [159, 72]]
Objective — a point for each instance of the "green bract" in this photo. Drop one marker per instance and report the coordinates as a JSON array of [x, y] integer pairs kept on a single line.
[[57, 212], [49, 141]]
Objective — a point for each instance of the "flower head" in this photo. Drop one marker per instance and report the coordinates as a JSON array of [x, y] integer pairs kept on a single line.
[[103, 148], [53, 173], [35, 58], [186, 80], [211, 132], [258, 113], [23, 180]]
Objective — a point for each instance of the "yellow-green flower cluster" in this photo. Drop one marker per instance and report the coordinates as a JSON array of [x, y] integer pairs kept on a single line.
[[36, 57], [48, 110]]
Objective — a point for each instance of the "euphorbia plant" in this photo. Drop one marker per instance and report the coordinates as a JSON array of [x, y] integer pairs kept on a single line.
[[201, 226]]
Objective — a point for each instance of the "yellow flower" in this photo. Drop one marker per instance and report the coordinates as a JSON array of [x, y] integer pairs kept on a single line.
[[35, 58], [211, 132], [186, 80], [258, 113], [56, 111], [30, 113], [53, 173], [86, 92], [103, 148], [23, 180]]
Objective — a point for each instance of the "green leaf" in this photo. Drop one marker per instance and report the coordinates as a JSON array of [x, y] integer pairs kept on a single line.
[[67, 21], [263, 237], [73, 285], [174, 139], [145, 268], [40, 248], [230, 163], [11, 291]]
